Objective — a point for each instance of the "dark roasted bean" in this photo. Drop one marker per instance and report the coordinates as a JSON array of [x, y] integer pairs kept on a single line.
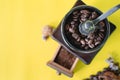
[[84, 15], [73, 22], [90, 35], [91, 45], [75, 19], [67, 27], [98, 42], [94, 15], [102, 30], [83, 45], [95, 40], [83, 19], [86, 47], [90, 18], [75, 36], [86, 40], [101, 35], [82, 42], [90, 41], [78, 39], [99, 39], [102, 24], [71, 30], [75, 12], [73, 26], [85, 11]]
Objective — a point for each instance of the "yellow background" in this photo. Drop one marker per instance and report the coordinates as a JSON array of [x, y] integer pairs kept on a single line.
[[23, 53]]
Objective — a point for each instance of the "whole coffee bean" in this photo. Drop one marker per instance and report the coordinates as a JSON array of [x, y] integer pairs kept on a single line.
[[101, 23], [73, 26], [85, 11], [102, 30], [106, 69], [95, 40], [98, 42], [75, 36], [101, 35], [90, 41], [72, 22], [83, 19], [99, 39], [75, 12], [86, 47], [94, 15], [91, 45], [91, 36], [83, 45], [78, 39], [82, 42], [71, 30], [75, 19], [90, 18], [84, 15], [86, 39], [67, 27]]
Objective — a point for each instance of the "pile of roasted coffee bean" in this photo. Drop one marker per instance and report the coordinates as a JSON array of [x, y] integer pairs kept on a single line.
[[76, 38], [110, 73]]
